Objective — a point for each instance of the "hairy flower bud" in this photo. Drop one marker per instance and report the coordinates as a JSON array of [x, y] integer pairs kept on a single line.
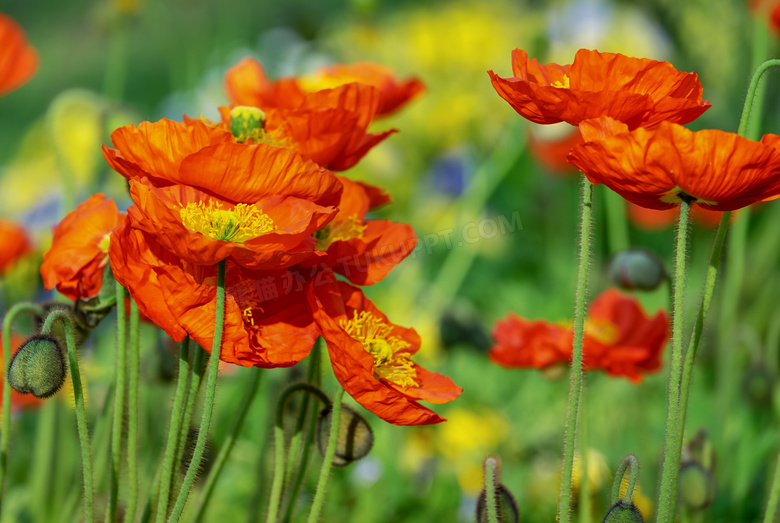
[[637, 269], [38, 367], [506, 506], [355, 437], [696, 486], [622, 512]]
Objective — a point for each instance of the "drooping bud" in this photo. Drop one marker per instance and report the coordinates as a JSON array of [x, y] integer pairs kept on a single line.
[[355, 437], [623, 512], [637, 269], [38, 367], [247, 123], [506, 506], [696, 486]]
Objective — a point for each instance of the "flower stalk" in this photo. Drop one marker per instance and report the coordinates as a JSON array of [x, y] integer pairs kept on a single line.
[[327, 461]]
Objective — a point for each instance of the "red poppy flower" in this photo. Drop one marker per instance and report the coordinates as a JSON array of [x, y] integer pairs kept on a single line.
[[15, 244], [79, 250], [364, 251], [18, 400], [619, 339], [656, 167], [267, 320], [18, 59], [247, 84], [637, 91], [371, 357]]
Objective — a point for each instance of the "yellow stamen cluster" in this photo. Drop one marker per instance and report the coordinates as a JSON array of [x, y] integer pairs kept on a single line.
[[105, 242], [390, 362], [603, 331], [350, 227], [562, 85], [239, 224]]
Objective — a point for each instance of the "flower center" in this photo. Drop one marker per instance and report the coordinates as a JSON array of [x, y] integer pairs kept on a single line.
[[104, 243], [247, 123], [603, 331], [390, 361], [561, 85], [344, 230], [239, 224]]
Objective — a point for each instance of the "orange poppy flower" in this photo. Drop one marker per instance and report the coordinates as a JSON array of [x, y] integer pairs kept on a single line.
[[364, 251], [15, 244], [247, 84], [619, 339], [18, 59], [267, 320], [657, 167], [637, 91], [18, 400], [79, 250], [371, 357]]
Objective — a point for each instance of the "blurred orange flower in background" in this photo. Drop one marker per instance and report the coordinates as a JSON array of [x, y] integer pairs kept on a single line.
[[371, 357], [79, 251], [619, 339], [18, 59], [657, 167], [15, 244], [637, 91]]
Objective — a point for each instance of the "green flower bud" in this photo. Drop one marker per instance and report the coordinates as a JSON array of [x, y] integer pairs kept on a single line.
[[247, 123], [355, 437], [696, 486], [507, 510], [622, 512], [637, 269], [38, 367]]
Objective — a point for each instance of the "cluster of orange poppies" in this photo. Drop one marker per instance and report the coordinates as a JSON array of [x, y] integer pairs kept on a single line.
[[630, 113], [257, 191]]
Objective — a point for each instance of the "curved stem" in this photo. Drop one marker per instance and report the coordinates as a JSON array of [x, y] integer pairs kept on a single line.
[[208, 405], [751, 93], [631, 464], [575, 390], [227, 445], [490, 490], [81, 415], [670, 469], [327, 462], [119, 402], [5, 410], [132, 414]]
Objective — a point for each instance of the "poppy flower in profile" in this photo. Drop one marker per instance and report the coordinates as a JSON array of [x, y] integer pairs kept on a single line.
[[364, 251], [658, 167], [267, 321], [15, 244], [619, 339], [18, 59], [247, 84], [637, 91], [371, 357], [79, 251]]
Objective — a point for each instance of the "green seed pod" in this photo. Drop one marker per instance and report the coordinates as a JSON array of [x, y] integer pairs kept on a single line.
[[507, 510], [622, 512], [355, 437], [246, 123], [637, 269], [38, 367], [696, 486]]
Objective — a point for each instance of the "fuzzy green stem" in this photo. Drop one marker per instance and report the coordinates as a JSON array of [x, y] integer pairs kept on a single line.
[[227, 445], [631, 464], [5, 413], [751, 95], [327, 462], [173, 431], [575, 390], [210, 395], [81, 415], [192, 396], [490, 490], [670, 469], [617, 225], [119, 402], [774, 496], [132, 414], [43, 461]]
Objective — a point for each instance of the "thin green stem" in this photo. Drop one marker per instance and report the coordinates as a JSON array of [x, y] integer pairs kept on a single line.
[[575, 390], [210, 395], [132, 414], [774, 496], [43, 461], [617, 224], [5, 410], [670, 469], [327, 462], [119, 402], [751, 94], [490, 490], [81, 415], [192, 396], [227, 445], [173, 431], [630, 464]]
